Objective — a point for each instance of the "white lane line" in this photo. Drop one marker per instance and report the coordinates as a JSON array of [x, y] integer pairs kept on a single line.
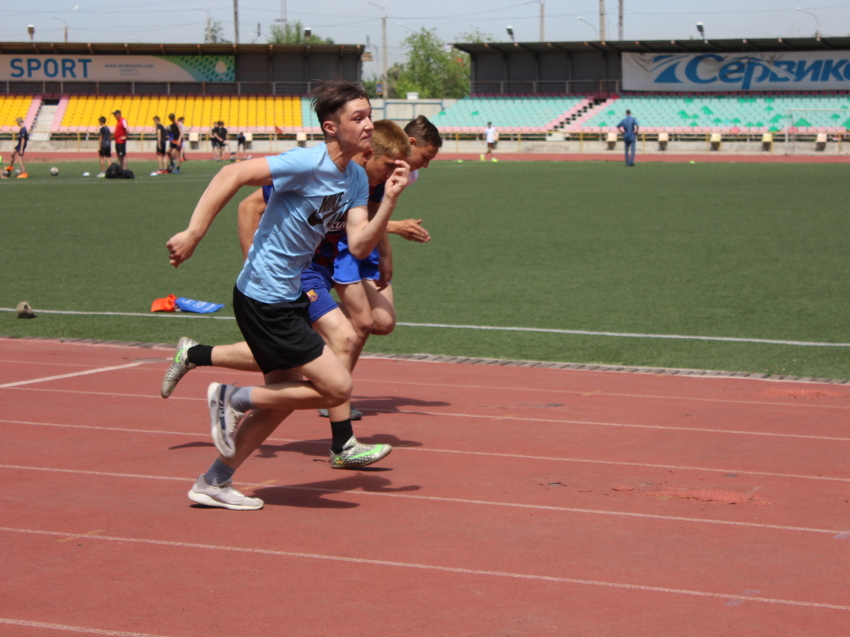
[[589, 393], [72, 629], [434, 567], [471, 453], [512, 418], [99, 370], [594, 423], [539, 330], [602, 394], [409, 496]]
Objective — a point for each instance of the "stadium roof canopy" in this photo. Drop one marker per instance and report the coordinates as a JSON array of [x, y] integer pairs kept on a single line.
[[137, 48], [661, 46]]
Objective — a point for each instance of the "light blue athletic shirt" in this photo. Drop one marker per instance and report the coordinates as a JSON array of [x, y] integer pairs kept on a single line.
[[311, 197]]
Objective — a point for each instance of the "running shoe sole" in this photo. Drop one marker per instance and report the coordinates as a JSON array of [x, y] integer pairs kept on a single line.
[[222, 424]]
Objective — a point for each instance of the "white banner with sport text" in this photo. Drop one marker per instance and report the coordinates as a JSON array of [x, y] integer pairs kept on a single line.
[[780, 71], [118, 68]]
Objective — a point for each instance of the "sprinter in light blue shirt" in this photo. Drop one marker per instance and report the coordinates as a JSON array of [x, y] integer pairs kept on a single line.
[[313, 190]]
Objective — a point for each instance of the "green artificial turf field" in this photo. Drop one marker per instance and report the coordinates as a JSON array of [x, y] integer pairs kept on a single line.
[[750, 251]]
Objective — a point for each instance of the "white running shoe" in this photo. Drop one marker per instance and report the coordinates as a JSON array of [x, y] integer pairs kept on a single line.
[[355, 455], [178, 368], [224, 419], [223, 495]]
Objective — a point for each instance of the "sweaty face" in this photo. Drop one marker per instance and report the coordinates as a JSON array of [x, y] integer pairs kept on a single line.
[[353, 124], [421, 156]]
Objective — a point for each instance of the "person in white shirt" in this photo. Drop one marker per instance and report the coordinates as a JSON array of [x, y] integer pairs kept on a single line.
[[492, 136]]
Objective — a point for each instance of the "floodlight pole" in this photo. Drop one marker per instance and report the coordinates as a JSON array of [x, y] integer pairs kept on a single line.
[[235, 21], [602, 20], [620, 34], [542, 20], [595, 32], [384, 36], [817, 33], [64, 22]]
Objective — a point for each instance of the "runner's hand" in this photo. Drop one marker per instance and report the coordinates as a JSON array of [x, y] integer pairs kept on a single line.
[[412, 230], [180, 247], [398, 180]]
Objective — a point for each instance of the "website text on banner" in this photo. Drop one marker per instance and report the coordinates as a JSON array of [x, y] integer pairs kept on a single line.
[[720, 72], [122, 68]]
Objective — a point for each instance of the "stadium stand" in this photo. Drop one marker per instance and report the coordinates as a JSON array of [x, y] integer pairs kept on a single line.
[[13, 106], [510, 114], [254, 113], [724, 113]]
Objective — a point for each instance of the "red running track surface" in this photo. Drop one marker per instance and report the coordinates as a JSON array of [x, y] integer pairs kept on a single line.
[[518, 501]]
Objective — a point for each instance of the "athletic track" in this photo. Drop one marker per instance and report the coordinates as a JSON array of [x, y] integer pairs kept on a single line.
[[518, 501]]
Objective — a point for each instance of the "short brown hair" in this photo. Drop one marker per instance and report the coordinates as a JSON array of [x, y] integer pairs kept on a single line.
[[330, 96], [389, 139], [424, 132]]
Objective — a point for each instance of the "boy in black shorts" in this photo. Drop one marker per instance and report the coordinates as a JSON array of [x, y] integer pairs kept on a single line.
[[105, 147], [175, 146], [161, 152]]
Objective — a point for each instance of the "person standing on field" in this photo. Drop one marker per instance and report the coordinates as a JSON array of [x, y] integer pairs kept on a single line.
[[161, 143], [120, 139], [105, 146], [176, 145], [629, 127], [492, 136]]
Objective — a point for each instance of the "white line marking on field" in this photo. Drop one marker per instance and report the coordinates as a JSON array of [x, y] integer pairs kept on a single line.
[[625, 334], [73, 629], [73, 375], [433, 567], [730, 339], [541, 507], [472, 453]]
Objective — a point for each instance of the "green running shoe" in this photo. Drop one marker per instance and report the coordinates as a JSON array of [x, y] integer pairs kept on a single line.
[[355, 455], [178, 368]]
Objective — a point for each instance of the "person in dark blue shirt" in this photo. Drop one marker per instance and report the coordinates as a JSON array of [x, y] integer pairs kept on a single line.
[[629, 127]]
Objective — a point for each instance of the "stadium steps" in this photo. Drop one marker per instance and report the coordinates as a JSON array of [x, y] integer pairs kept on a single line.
[[43, 122], [600, 105], [579, 114]]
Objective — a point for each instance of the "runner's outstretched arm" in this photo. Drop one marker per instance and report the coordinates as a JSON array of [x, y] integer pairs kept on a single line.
[[254, 172]]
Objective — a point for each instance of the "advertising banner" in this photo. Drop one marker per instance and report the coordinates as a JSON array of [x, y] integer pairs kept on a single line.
[[781, 71], [118, 68]]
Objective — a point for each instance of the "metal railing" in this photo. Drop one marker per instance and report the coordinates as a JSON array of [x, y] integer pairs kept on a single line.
[[536, 87]]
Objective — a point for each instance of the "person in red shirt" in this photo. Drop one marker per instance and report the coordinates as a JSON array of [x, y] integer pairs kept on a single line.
[[121, 139]]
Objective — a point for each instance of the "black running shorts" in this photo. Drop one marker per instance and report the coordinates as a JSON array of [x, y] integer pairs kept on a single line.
[[121, 149], [279, 334]]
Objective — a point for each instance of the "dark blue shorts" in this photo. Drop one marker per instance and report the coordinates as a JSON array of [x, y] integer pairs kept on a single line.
[[348, 269], [317, 283]]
